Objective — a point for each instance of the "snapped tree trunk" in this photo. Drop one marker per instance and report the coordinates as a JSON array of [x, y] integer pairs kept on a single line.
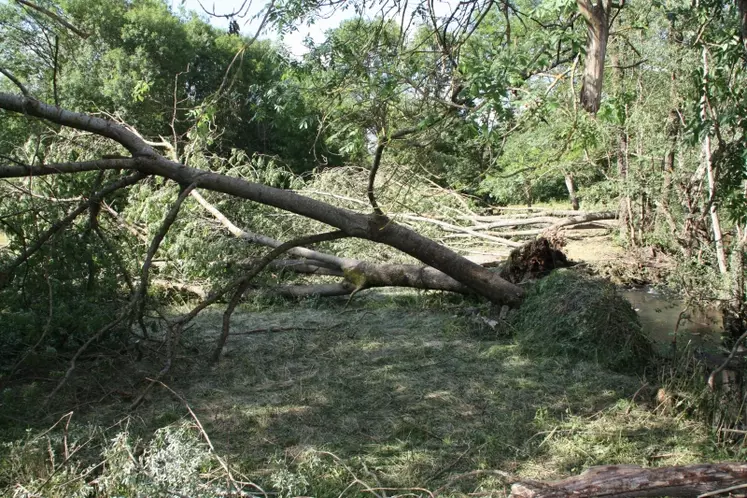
[[596, 13], [571, 191]]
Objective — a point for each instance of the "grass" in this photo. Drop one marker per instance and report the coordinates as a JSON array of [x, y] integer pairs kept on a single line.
[[403, 389], [569, 313]]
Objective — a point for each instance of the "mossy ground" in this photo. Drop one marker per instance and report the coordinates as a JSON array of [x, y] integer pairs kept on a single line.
[[401, 387]]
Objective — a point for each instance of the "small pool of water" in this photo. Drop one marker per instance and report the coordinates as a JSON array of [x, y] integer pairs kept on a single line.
[[659, 314]]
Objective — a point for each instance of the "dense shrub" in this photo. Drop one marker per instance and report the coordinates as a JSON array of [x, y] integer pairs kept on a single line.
[[581, 317]]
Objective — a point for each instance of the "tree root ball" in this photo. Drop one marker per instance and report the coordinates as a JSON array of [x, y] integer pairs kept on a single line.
[[581, 317], [533, 260]]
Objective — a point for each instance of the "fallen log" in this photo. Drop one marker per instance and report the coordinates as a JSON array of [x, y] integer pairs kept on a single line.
[[631, 480], [549, 220], [182, 287], [358, 274], [523, 212]]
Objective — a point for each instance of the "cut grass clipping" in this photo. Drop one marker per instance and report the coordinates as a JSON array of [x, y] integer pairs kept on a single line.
[[580, 317]]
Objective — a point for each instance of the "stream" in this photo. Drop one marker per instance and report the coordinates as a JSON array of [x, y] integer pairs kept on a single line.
[[659, 314]]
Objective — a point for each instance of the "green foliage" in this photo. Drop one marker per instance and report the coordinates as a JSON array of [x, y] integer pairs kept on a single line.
[[85, 461], [579, 317]]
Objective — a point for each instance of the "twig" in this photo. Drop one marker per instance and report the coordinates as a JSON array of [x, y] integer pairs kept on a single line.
[[204, 434], [451, 465], [80, 351], [275, 329], [505, 475], [356, 480], [721, 491]]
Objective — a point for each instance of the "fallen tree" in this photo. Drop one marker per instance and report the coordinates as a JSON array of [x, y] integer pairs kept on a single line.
[[374, 227], [631, 480]]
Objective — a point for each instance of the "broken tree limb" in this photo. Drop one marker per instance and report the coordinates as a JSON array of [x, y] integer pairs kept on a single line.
[[468, 230], [517, 211], [549, 220], [300, 252], [360, 274], [584, 218], [631, 481], [306, 266]]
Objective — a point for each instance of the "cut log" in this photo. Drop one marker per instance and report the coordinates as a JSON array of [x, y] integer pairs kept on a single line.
[[631, 480]]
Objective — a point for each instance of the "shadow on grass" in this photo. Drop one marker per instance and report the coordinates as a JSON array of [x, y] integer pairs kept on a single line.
[[417, 395], [408, 392]]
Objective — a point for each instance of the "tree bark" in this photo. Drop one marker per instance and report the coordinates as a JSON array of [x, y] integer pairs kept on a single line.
[[371, 227], [596, 14], [742, 6], [710, 175], [571, 191], [630, 481]]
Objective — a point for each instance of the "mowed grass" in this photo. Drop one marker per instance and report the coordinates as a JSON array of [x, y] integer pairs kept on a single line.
[[400, 391], [415, 394]]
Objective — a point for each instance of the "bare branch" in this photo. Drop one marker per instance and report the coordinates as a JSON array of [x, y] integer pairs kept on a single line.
[[734, 351], [95, 337], [23, 170], [55, 17], [15, 81], [377, 162], [24, 105], [168, 220]]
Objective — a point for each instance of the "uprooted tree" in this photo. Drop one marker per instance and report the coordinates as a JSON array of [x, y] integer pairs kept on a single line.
[[443, 269]]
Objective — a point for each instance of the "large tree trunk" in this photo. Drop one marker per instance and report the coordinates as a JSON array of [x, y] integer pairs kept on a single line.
[[710, 175], [742, 6], [571, 191], [630, 481], [596, 13], [372, 227]]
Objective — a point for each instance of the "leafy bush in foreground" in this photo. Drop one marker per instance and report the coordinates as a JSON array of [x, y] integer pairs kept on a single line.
[[86, 463]]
